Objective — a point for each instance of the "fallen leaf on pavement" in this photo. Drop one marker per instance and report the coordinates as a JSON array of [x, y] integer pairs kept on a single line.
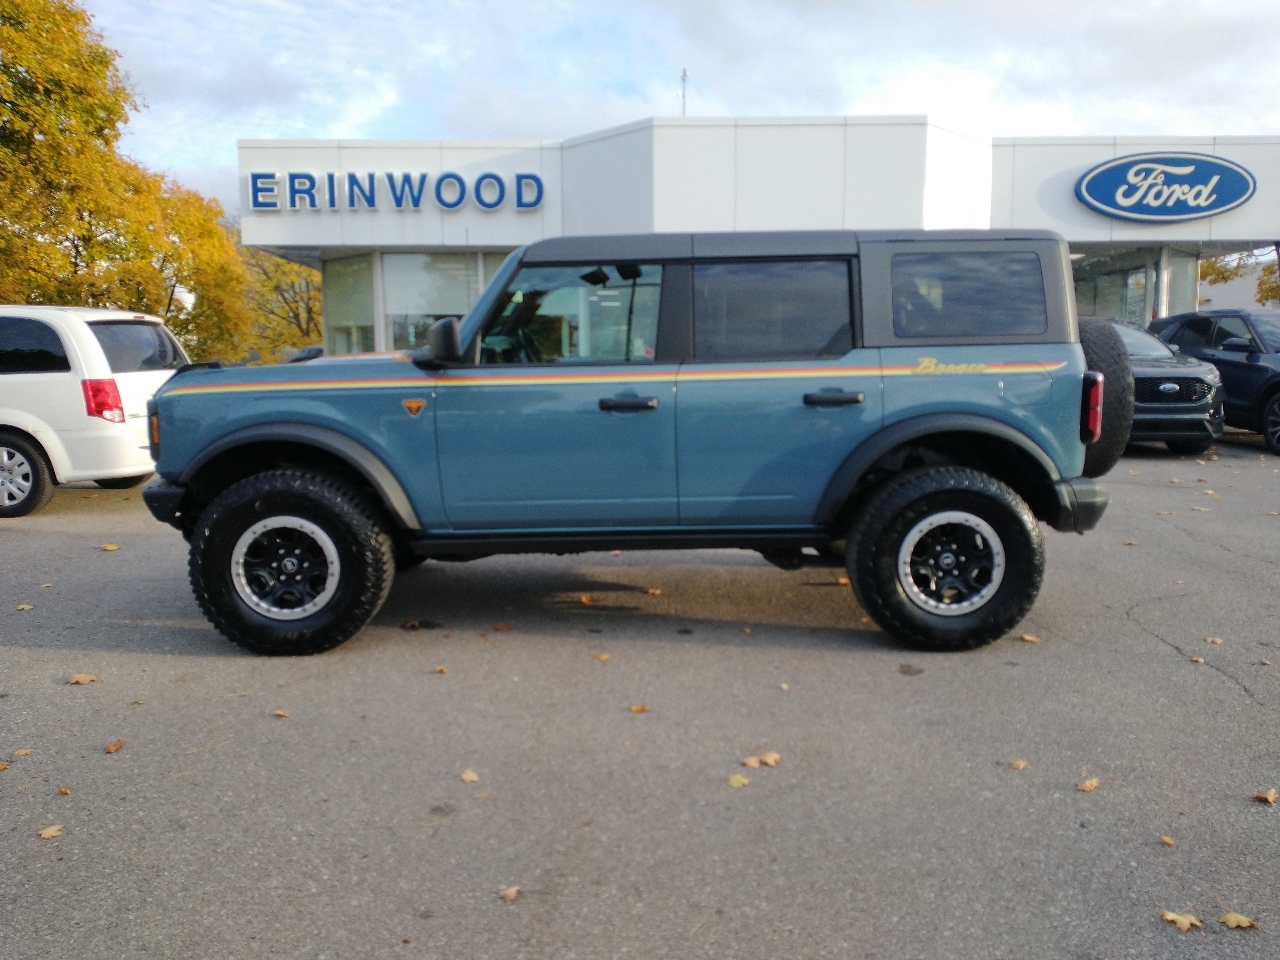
[[1197, 659], [1267, 796], [114, 745], [1089, 785], [442, 670], [738, 780], [411, 625], [746, 630], [470, 776], [4, 766], [1183, 921], [1134, 473], [771, 759], [586, 600], [752, 762], [1200, 509], [1029, 638], [616, 553], [1200, 462], [1164, 513], [602, 657], [1019, 764], [510, 893], [82, 678], [1212, 639], [654, 591], [1202, 480], [639, 708], [63, 790], [501, 627], [1175, 480], [1264, 663], [24, 752], [1235, 921], [1131, 543], [45, 586], [109, 547], [282, 714], [25, 606], [784, 687], [48, 833], [843, 581], [138, 703], [1167, 841]]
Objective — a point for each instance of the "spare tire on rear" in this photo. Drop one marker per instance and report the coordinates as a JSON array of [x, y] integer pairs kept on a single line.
[[1104, 352]]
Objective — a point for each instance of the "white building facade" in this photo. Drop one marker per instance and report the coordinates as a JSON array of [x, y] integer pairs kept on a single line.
[[406, 232]]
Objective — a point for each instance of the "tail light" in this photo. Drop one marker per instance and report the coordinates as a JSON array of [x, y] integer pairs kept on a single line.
[[1091, 407], [102, 399]]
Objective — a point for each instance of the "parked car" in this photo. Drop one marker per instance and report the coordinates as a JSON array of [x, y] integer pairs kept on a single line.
[[1245, 347], [1177, 400], [910, 402], [74, 386]]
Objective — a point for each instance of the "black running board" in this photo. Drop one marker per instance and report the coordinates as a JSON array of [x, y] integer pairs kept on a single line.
[[479, 545]]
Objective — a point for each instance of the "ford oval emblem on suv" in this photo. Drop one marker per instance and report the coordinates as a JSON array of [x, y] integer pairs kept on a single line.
[[1165, 187], [1168, 388]]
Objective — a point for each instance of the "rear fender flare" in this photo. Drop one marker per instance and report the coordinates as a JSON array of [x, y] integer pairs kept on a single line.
[[353, 453], [850, 472]]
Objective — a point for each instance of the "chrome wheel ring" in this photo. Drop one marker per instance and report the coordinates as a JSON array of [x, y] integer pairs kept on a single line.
[[951, 563], [16, 477], [285, 568]]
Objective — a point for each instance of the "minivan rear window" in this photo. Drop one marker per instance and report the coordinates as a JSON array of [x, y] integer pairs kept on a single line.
[[133, 347], [968, 295]]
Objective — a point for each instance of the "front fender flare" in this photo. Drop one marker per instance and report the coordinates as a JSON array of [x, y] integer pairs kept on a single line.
[[869, 451], [355, 454]]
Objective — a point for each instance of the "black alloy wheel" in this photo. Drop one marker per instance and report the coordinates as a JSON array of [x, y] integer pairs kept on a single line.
[[1271, 425]]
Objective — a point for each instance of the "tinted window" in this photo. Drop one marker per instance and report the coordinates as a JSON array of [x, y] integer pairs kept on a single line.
[[1268, 327], [1229, 327], [771, 311], [968, 295], [29, 346], [1139, 343], [132, 347], [1194, 334], [583, 314]]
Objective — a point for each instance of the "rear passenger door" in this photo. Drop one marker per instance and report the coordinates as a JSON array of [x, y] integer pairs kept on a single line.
[[776, 395]]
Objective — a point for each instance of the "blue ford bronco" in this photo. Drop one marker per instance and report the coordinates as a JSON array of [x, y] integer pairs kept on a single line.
[[908, 404]]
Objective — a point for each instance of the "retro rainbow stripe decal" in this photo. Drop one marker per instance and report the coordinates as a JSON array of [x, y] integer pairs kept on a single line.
[[925, 366]]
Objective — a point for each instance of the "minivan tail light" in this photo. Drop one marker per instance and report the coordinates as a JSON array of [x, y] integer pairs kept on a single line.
[[1091, 407], [102, 399]]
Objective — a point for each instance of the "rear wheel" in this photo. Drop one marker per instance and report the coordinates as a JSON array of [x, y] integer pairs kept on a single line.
[[946, 558], [121, 483], [26, 483], [1271, 424], [290, 563]]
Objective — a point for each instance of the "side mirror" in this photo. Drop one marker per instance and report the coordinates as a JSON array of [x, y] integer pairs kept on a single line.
[[444, 346], [1237, 345]]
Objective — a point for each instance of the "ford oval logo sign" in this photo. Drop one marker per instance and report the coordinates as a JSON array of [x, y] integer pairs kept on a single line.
[[1165, 187]]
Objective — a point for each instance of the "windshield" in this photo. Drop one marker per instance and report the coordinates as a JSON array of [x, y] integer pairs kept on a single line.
[[133, 346], [1139, 343], [1268, 327]]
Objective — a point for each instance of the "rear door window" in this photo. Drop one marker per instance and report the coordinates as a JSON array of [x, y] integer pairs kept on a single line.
[[1194, 334], [780, 310], [968, 295], [30, 346], [132, 346]]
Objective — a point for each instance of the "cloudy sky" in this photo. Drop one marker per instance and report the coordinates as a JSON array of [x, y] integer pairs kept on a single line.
[[209, 73]]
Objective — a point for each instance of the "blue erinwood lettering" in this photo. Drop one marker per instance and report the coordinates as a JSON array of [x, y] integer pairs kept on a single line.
[[263, 193], [405, 187], [302, 185], [369, 196]]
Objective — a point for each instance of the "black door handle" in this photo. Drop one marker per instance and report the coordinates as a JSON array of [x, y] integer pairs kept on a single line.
[[628, 403], [833, 399]]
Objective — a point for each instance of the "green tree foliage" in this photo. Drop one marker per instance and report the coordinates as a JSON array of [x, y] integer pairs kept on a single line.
[[82, 225], [1235, 265]]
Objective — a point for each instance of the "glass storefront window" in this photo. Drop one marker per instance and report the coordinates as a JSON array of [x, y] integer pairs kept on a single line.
[[348, 305], [492, 263], [1118, 282], [1184, 281], [421, 288]]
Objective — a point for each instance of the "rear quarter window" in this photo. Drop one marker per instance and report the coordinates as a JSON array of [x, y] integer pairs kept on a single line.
[[133, 347], [968, 295], [30, 346]]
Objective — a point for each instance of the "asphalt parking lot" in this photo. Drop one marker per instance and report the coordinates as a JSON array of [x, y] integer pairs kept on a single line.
[[893, 826]]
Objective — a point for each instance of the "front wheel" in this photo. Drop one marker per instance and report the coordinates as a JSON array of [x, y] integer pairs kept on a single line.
[[1271, 425], [946, 558], [289, 562]]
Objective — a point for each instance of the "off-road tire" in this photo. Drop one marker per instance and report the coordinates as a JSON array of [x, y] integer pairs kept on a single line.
[[335, 511], [31, 473], [1271, 424], [1189, 446], [122, 483], [913, 500], [1104, 352]]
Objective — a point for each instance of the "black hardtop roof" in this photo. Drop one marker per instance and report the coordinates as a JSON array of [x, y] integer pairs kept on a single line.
[[774, 243]]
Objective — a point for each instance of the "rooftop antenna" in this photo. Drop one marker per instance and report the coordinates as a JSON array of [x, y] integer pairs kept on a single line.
[[684, 91]]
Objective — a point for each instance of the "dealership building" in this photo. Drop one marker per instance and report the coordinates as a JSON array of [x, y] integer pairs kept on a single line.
[[408, 231]]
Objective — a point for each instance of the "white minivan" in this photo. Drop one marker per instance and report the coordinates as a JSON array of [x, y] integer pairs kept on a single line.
[[74, 386]]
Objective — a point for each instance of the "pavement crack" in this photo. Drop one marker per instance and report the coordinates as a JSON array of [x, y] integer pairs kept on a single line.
[[1173, 646]]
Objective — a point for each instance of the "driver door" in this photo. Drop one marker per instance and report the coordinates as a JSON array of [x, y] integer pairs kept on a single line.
[[566, 422]]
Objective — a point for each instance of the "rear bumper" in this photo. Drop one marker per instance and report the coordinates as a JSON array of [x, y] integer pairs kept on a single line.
[[164, 500], [1081, 504]]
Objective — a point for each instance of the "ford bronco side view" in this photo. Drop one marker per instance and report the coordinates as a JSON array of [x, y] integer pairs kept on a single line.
[[909, 404]]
